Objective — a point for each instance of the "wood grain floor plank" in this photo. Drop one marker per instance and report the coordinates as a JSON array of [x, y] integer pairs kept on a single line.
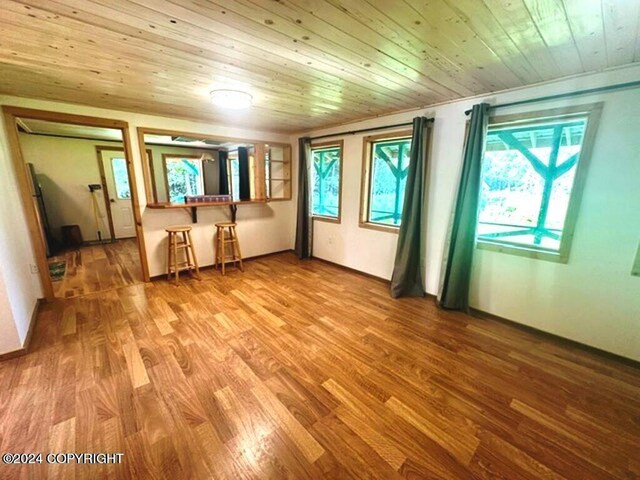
[[295, 370]]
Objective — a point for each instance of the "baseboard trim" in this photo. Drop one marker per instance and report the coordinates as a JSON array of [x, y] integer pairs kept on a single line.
[[474, 312], [352, 270], [27, 341], [247, 259]]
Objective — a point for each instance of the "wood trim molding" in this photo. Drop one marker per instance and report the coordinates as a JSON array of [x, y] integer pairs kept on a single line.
[[474, 312], [10, 115], [365, 179], [27, 341], [340, 144], [30, 209], [105, 187], [135, 201]]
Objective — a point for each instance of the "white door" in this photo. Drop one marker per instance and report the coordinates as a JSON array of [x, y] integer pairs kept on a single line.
[[115, 171]]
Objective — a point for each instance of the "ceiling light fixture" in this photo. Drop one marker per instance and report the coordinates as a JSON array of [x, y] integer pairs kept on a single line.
[[233, 99]]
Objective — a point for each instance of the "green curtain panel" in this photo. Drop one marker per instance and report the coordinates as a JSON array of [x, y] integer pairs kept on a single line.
[[409, 267], [454, 292], [224, 180], [243, 172], [304, 225]]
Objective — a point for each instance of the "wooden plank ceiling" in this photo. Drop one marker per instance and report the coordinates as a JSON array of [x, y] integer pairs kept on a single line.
[[308, 63]]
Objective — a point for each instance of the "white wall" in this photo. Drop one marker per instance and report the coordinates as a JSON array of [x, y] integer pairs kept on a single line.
[[262, 228], [65, 167], [593, 299], [19, 289]]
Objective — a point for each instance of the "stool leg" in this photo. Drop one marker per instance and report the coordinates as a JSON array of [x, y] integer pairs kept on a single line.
[[175, 257], [215, 249], [187, 257], [224, 251], [169, 256], [236, 244], [193, 255]]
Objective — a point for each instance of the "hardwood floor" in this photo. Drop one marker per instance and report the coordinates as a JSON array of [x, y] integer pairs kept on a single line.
[[304, 370], [97, 268]]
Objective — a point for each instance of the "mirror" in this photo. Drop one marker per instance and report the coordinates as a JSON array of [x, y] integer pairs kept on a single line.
[[186, 169]]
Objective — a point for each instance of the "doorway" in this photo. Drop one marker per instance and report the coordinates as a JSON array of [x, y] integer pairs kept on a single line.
[[67, 197]]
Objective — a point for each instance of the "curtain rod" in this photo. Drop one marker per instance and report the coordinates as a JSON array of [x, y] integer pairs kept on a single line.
[[364, 130], [617, 86]]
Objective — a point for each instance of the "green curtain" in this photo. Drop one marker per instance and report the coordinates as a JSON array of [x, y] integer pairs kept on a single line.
[[224, 179], [243, 173], [409, 267], [454, 292], [304, 225]]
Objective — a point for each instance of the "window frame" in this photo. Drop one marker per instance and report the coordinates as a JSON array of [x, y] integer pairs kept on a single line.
[[365, 185], [170, 156], [115, 181], [321, 145], [593, 112]]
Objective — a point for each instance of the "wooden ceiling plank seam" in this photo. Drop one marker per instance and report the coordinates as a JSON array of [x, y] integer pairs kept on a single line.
[[143, 26], [552, 25], [304, 59], [335, 59], [112, 46], [176, 101], [517, 22], [620, 18], [398, 35], [331, 33], [459, 37], [277, 126], [481, 20], [636, 56], [586, 23], [166, 84]]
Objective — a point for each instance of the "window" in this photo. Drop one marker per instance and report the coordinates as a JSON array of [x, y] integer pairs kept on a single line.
[[386, 166], [184, 177], [121, 178], [233, 173], [326, 179], [531, 181]]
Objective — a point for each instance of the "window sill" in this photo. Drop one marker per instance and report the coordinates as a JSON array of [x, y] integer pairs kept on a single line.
[[521, 251], [379, 227], [322, 218]]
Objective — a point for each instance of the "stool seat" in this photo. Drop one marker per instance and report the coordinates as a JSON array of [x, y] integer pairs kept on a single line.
[[178, 229], [179, 240], [224, 238]]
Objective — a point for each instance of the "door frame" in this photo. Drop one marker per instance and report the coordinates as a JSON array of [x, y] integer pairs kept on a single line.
[[105, 187], [11, 114]]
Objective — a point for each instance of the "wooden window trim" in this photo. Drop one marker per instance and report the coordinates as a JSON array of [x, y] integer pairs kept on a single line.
[[365, 179], [340, 145], [593, 112]]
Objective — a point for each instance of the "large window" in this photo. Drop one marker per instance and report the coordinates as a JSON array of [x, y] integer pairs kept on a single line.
[[531, 182], [325, 178], [386, 166], [184, 177]]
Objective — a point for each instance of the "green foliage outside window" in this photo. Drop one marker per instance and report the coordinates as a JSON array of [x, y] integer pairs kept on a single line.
[[389, 168], [121, 178], [185, 177], [326, 182], [527, 180]]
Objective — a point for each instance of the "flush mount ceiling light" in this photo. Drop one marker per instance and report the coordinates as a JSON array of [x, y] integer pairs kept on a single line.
[[234, 99]]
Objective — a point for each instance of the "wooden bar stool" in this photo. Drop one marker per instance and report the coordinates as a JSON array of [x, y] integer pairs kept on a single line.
[[227, 238], [175, 244]]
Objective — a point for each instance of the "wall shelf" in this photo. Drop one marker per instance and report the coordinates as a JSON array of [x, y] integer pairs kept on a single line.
[[192, 207]]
